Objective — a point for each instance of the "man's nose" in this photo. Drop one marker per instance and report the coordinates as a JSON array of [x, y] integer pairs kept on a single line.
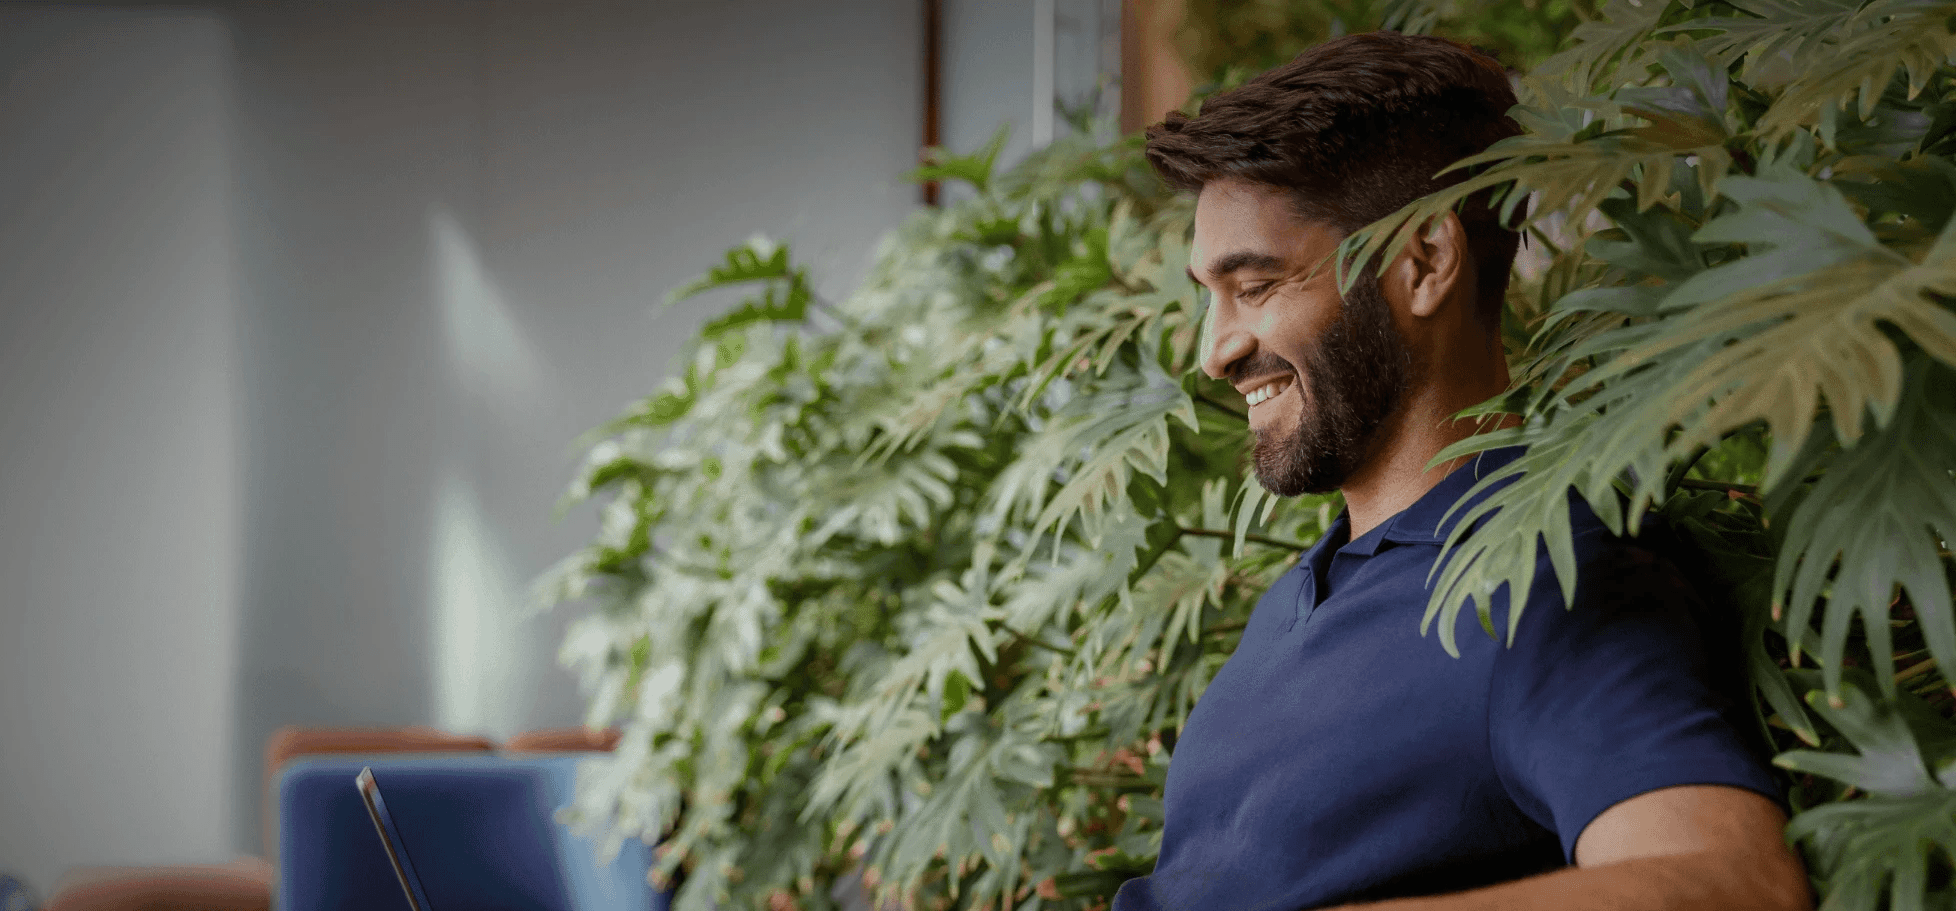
[[1228, 345]]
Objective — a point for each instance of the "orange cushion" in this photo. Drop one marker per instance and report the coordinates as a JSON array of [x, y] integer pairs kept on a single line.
[[242, 885], [563, 740]]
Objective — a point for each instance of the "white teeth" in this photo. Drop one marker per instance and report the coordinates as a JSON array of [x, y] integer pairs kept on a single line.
[[1264, 393]]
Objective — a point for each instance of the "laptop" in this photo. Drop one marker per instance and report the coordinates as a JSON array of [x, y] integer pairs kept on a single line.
[[390, 839]]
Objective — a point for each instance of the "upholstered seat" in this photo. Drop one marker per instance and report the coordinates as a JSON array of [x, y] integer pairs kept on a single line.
[[247, 883], [482, 830]]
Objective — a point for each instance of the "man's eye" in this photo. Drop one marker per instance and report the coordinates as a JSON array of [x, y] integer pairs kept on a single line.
[[1252, 292]]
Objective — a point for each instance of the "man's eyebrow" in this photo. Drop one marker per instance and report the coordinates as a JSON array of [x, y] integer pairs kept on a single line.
[[1237, 262]]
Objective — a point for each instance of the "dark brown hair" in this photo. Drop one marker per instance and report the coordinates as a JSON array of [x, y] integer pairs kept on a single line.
[[1356, 128]]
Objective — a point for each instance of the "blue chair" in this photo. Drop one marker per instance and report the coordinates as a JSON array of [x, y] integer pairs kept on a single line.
[[481, 831], [14, 895]]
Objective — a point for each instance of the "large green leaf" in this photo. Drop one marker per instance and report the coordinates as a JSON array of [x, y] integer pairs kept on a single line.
[[975, 168], [1095, 443], [1874, 526], [1500, 554], [1777, 34], [1806, 315], [1614, 37], [1886, 844], [787, 303], [1888, 760], [1912, 37], [760, 259]]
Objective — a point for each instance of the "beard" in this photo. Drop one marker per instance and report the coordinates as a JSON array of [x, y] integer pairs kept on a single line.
[[1359, 372]]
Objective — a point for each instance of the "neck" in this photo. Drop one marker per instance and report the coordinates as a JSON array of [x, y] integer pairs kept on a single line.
[[1396, 474]]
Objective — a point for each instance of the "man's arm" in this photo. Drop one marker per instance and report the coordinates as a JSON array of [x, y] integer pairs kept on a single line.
[[1676, 849]]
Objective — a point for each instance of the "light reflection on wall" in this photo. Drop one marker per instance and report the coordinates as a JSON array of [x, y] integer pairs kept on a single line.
[[491, 359], [477, 672], [481, 675]]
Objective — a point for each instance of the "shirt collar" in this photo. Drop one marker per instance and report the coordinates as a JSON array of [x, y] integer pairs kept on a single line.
[[1427, 520]]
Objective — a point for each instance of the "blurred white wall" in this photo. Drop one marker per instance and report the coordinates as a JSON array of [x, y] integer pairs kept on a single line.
[[990, 58], [119, 487], [987, 74], [990, 61], [301, 307], [456, 221]]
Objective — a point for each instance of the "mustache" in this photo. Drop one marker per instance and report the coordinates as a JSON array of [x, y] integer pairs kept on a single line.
[[1263, 364]]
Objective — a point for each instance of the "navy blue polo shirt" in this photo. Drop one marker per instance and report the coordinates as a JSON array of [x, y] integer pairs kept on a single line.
[[1340, 756]]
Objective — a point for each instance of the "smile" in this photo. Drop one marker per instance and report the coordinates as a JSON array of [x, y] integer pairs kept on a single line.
[[1266, 392]]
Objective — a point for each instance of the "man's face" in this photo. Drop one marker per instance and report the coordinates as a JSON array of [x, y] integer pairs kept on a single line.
[[1320, 374]]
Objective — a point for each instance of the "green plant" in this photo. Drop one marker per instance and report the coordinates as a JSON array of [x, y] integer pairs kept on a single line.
[[1225, 41], [917, 580], [921, 583]]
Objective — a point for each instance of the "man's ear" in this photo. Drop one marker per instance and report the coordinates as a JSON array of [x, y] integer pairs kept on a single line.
[[1436, 267]]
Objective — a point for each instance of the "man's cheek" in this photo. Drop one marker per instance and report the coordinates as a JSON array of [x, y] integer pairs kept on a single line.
[[1205, 338], [1270, 324]]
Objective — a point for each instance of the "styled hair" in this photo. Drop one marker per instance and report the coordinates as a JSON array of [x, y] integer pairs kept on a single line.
[[1356, 128]]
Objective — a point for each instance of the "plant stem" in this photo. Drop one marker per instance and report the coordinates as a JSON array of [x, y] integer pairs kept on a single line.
[[1724, 487], [1153, 556], [1097, 778], [1252, 536], [1918, 670], [1071, 738], [1229, 627], [1225, 409], [1682, 470], [1022, 637]]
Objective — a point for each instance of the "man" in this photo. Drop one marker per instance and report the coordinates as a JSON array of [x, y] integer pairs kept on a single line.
[[1339, 757]]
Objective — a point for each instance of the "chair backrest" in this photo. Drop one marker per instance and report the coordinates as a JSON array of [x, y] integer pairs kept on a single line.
[[293, 742], [14, 895], [482, 830]]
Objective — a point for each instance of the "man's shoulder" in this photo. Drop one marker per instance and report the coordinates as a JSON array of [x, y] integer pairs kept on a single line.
[[1649, 560], [1627, 589]]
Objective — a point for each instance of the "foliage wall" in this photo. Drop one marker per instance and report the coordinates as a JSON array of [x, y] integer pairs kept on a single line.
[[1226, 41], [919, 585]]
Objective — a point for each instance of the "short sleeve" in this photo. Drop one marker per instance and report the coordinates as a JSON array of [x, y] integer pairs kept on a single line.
[[1593, 706]]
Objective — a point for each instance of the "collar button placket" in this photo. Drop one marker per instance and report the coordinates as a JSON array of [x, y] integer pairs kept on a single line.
[[1307, 598]]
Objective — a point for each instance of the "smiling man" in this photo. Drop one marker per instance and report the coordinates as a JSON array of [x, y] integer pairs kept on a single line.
[[1339, 757]]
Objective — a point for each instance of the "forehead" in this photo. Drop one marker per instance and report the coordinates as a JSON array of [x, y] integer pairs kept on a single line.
[[1239, 216]]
